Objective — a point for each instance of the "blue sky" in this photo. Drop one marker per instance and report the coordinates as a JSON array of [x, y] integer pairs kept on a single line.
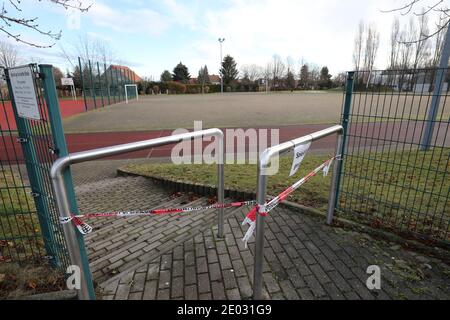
[[151, 36]]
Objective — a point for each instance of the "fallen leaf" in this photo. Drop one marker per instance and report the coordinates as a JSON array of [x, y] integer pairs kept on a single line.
[[31, 284]]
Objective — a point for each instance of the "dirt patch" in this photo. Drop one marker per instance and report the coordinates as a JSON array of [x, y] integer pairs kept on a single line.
[[33, 278]]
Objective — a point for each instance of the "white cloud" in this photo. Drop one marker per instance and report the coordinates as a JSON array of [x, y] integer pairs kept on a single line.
[[321, 32], [128, 21]]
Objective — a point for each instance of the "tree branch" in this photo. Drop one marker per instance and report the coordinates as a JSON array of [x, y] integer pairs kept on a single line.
[[10, 20]]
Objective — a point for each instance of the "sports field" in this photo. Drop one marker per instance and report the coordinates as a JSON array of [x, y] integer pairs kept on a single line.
[[215, 110]]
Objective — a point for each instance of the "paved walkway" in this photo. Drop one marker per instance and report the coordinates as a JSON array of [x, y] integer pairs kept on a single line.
[[176, 257]]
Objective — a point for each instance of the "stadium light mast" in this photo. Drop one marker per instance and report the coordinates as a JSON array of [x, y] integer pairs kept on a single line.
[[221, 76]]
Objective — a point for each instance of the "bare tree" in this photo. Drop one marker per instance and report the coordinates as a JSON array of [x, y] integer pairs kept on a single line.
[[290, 64], [10, 19], [339, 79], [438, 43], [421, 46], [358, 46], [406, 45], [105, 54], [267, 73], [314, 75], [394, 44], [438, 6], [278, 70], [88, 49], [8, 54], [371, 47], [253, 71]]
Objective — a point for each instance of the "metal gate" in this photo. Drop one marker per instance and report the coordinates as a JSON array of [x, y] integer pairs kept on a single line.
[[396, 170], [29, 219]]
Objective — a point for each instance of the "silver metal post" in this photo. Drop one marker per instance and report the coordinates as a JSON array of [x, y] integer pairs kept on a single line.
[[61, 164], [334, 180], [220, 185], [259, 241], [263, 164]]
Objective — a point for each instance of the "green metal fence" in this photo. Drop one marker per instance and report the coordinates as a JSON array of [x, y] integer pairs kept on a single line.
[[29, 220], [389, 178], [104, 85]]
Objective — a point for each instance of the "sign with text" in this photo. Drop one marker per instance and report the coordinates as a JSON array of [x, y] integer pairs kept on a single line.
[[67, 81], [24, 92], [299, 153]]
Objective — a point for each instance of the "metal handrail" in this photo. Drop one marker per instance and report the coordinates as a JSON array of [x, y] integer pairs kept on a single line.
[[63, 163], [263, 164]]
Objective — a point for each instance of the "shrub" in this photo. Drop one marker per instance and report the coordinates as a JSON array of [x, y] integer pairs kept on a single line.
[[155, 89], [213, 88], [176, 87], [194, 88], [206, 89], [142, 87]]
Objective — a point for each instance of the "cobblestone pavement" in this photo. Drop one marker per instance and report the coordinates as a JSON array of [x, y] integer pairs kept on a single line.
[[180, 257]]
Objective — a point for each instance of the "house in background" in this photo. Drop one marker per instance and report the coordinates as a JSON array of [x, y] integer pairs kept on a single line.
[[122, 74], [213, 79]]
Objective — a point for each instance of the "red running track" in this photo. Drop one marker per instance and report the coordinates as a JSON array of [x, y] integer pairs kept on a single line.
[[67, 107], [86, 141]]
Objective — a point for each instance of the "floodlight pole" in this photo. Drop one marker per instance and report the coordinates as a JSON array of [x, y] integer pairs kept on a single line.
[[221, 76]]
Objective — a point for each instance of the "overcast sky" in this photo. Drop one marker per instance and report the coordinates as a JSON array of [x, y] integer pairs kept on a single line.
[[151, 36]]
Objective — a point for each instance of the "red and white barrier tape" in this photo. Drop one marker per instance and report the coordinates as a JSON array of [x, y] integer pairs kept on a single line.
[[250, 218], [264, 209], [84, 228]]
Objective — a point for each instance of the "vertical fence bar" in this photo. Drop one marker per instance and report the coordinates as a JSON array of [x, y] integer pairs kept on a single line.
[[116, 92], [92, 86], [107, 83], [119, 97], [100, 83], [112, 90], [82, 84], [60, 143], [345, 124]]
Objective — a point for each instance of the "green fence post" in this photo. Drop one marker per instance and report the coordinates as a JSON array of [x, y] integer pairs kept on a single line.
[[92, 86], [345, 123], [60, 143], [113, 91], [107, 83], [36, 179], [82, 84], [100, 83], [119, 96]]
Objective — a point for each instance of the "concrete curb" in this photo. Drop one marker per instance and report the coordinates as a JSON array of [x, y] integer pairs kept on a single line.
[[56, 295], [439, 250]]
